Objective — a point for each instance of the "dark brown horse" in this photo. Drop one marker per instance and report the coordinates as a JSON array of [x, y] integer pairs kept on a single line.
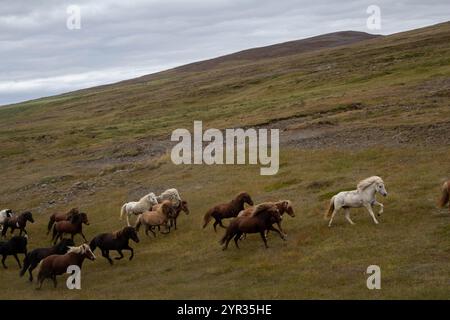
[[260, 221], [17, 222], [115, 241], [16, 245], [56, 217], [183, 206], [445, 195], [227, 210], [283, 206], [73, 226], [55, 265]]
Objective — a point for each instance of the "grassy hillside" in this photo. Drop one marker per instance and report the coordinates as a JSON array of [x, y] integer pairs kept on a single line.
[[379, 106]]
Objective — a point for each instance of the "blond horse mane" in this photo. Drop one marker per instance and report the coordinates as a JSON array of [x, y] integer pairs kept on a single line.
[[364, 184], [78, 250]]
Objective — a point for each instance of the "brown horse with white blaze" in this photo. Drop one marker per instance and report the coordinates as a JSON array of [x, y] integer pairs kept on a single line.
[[445, 195], [227, 210]]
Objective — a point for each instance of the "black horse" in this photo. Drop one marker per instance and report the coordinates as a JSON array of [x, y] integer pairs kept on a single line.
[[17, 244], [115, 241], [33, 258]]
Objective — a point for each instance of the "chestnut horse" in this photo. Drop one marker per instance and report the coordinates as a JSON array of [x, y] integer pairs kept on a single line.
[[72, 227], [445, 194], [157, 218], [261, 220], [115, 241], [56, 217], [283, 206], [33, 258], [227, 210], [55, 265], [182, 206], [17, 222]]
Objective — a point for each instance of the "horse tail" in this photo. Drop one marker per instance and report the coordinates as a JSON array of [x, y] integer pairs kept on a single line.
[[50, 223], [122, 211], [26, 264], [39, 270], [445, 195], [207, 217], [330, 208], [138, 223]]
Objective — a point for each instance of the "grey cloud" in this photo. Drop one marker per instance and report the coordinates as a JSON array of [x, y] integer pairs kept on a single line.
[[123, 39]]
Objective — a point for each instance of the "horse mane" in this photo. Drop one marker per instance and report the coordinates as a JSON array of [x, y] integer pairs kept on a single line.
[[164, 208], [73, 211], [364, 184], [78, 250], [149, 198], [262, 207]]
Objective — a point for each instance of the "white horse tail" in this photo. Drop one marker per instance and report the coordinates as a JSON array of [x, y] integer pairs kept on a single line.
[[330, 208], [138, 222], [122, 211], [445, 195]]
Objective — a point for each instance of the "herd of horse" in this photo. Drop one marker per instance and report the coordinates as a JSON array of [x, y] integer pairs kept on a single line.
[[157, 212]]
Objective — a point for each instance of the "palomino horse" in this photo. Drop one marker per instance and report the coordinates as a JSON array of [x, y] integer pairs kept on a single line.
[[261, 220], [73, 226], [182, 206], [54, 265], [33, 258], [283, 206], [157, 218], [56, 217], [227, 210], [363, 196], [115, 241], [445, 194], [136, 208], [17, 222]]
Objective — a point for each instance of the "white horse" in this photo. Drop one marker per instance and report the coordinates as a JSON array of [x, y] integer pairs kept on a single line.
[[172, 195], [5, 213], [136, 208], [363, 196]]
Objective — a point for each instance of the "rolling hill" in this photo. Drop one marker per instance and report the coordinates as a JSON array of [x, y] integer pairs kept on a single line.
[[348, 105]]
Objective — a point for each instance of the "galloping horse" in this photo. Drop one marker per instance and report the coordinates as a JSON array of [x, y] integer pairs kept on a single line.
[[182, 206], [283, 206], [72, 227], [136, 208], [115, 241], [261, 220], [17, 222], [157, 218], [54, 265], [33, 258], [56, 217], [363, 196], [227, 210], [5, 213]]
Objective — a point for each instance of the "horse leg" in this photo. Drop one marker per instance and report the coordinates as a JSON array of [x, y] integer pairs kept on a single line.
[[3, 262], [151, 230], [132, 252], [369, 208], [82, 234], [17, 259], [221, 224], [236, 239], [30, 270], [332, 216], [263, 237], [175, 223], [376, 203], [347, 216], [282, 236], [121, 255], [54, 280], [215, 225], [105, 253]]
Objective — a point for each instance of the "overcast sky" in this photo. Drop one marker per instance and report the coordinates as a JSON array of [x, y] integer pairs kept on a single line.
[[122, 39]]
